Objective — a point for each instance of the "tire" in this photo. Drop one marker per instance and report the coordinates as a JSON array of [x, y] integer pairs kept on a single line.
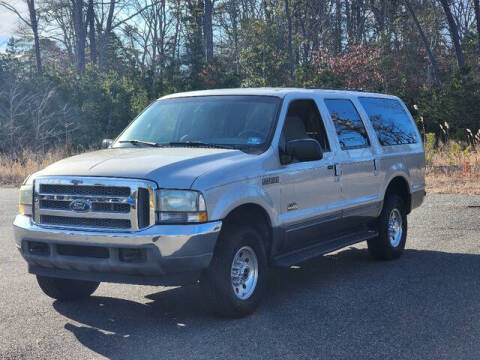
[[66, 289], [241, 244], [390, 243]]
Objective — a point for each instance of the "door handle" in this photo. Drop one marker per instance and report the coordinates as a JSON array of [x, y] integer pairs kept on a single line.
[[330, 167], [338, 171]]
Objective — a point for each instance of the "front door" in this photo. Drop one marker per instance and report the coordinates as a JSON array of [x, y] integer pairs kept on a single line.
[[310, 189]]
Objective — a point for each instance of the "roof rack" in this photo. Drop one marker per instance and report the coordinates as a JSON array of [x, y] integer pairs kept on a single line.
[[329, 88]]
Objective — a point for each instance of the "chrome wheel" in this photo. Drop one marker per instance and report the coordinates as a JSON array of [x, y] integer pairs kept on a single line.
[[395, 227], [244, 272]]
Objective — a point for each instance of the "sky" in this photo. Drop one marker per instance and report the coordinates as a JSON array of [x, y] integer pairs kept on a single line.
[[9, 21]]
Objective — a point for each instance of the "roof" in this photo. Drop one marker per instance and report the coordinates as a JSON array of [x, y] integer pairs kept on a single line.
[[278, 92]]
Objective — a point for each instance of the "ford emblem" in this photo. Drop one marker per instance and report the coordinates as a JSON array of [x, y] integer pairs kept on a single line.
[[80, 205]]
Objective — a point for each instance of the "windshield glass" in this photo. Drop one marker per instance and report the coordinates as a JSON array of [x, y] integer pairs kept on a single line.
[[230, 121]]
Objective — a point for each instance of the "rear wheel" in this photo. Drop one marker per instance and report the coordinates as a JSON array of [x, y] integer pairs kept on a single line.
[[392, 228], [66, 289], [235, 281]]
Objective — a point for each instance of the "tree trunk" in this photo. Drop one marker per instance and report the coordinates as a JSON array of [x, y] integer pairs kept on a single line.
[[349, 20], [105, 38], [425, 42], [338, 26], [80, 34], [175, 40], [290, 46], [163, 37], [195, 41], [453, 33], [360, 25], [34, 24], [153, 67], [91, 33], [234, 15], [208, 30], [476, 3]]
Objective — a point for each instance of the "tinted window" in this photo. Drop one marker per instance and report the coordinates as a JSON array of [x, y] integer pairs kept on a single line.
[[350, 129], [390, 121]]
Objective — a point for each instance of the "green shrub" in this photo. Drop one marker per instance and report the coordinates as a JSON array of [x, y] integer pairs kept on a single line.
[[430, 141], [455, 147], [455, 102]]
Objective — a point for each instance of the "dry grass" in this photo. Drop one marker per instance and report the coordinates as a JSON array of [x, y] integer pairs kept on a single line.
[[14, 169], [451, 172], [447, 172]]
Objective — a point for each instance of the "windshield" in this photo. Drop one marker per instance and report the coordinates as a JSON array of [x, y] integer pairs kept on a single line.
[[243, 122]]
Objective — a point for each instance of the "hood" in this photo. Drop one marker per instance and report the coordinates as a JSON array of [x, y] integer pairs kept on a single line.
[[172, 167]]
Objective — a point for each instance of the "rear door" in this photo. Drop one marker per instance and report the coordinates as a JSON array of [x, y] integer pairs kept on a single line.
[[355, 163]]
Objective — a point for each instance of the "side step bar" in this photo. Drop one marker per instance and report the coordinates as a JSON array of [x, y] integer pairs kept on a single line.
[[301, 255]]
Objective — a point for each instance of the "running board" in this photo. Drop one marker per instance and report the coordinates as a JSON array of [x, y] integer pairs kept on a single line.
[[312, 251]]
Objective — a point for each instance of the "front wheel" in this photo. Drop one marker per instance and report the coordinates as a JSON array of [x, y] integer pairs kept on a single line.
[[235, 281], [66, 289], [392, 229]]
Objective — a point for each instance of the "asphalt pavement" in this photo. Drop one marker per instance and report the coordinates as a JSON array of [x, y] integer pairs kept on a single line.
[[426, 305]]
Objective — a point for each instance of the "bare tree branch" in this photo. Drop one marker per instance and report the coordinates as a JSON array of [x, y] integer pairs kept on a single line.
[[12, 9]]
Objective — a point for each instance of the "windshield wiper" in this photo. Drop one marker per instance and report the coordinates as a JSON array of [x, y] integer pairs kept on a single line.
[[185, 143], [141, 142], [201, 144]]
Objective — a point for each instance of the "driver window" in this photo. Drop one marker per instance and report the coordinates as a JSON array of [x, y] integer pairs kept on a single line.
[[304, 121]]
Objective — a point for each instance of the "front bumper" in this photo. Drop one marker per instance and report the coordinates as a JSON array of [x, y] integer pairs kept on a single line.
[[165, 252]]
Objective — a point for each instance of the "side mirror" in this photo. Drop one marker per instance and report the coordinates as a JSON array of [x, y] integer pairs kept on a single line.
[[304, 149], [106, 143]]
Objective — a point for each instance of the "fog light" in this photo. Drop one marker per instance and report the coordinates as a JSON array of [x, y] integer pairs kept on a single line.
[[132, 255], [38, 248]]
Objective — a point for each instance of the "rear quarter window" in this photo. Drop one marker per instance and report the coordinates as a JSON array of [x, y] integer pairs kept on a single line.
[[390, 121]]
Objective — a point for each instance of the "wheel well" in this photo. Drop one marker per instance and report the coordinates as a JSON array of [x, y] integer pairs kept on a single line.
[[399, 186], [255, 215]]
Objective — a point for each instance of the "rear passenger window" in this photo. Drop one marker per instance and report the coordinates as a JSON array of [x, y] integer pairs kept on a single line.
[[390, 121], [350, 129]]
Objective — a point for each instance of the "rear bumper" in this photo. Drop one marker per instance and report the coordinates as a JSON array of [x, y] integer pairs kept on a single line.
[[164, 254]]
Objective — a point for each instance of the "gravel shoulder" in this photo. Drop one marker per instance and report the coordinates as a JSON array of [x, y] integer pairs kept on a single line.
[[344, 305]]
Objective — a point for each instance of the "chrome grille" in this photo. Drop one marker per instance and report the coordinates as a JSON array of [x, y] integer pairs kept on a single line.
[[87, 222], [96, 206], [94, 203], [84, 190]]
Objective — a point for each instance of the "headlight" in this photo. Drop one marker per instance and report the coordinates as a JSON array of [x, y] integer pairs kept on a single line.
[[26, 199], [180, 206]]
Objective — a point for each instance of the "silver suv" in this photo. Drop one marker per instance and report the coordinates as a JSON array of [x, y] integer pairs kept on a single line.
[[217, 186]]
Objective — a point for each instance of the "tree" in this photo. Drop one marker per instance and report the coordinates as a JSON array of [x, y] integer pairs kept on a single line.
[[80, 34], [476, 4], [32, 24], [208, 30], [194, 39], [452, 26], [290, 46], [14, 108], [146, 48], [91, 32], [107, 22], [425, 42]]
